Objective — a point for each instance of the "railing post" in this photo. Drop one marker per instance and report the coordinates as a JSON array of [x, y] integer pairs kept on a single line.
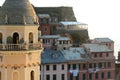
[[3, 46], [25, 46]]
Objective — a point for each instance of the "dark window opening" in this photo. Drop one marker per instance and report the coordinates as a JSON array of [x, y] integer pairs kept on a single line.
[[47, 67], [54, 67]]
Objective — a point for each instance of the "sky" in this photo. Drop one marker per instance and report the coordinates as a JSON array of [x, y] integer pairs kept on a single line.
[[102, 16]]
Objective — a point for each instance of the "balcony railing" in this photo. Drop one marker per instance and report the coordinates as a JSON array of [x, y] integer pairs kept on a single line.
[[20, 47]]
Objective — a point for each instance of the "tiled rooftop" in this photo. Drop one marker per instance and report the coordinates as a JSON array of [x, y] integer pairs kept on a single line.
[[103, 39], [52, 56], [56, 56], [97, 48]]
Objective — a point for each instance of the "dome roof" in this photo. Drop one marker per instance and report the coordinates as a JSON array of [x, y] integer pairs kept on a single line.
[[17, 12]]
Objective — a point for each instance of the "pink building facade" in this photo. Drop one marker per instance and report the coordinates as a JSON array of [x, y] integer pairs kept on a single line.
[[93, 61]]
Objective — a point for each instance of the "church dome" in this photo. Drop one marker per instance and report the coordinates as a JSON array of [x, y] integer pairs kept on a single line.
[[17, 12]]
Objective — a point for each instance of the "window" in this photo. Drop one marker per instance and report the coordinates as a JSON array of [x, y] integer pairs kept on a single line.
[[30, 37], [96, 76], [95, 55], [64, 42], [74, 66], [68, 66], [43, 40], [44, 20], [100, 65], [102, 75], [109, 44], [109, 64], [104, 64], [107, 54], [100, 54], [90, 65], [109, 75], [60, 42], [79, 66], [41, 20], [95, 65], [45, 29], [77, 77], [90, 76], [63, 77], [47, 77], [47, 21], [16, 37], [62, 67], [32, 75], [54, 67], [54, 77], [71, 76], [84, 66], [47, 67], [84, 77]]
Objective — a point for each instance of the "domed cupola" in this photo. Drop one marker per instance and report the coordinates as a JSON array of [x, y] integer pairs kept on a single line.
[[18, 12]]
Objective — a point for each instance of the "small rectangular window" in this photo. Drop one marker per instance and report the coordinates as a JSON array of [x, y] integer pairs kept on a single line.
[[47, 67], [68, 66], [109, 64], [62, 67], [54, 67], [96, 75], [95, 65], [95, 55], [102, 75], [90, 65], [84, 66], [47, 77], [100, 54], [63, 77], [74, 66], [109, 75], [60, 42], [90, 76], [54, 77], [79, 66]]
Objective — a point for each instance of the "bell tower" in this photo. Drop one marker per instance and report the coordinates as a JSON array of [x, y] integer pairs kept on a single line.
[[20, 50]]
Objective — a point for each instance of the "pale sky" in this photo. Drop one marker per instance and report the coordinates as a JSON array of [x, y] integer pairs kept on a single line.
[[102, 16]]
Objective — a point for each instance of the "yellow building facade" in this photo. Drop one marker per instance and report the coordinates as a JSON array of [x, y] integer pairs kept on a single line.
[[20, 50]]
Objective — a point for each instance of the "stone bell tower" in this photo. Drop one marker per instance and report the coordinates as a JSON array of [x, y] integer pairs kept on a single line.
[[20, 50]]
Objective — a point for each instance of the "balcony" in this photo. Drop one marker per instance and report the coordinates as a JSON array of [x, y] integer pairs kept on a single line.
[[20, 47]]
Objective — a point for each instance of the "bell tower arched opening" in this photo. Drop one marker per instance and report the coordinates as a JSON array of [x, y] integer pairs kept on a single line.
[[15, 38], [32, 75], [0, 38], [30, 37]]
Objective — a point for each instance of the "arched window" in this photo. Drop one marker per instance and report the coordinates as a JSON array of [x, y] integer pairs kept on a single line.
[[15, 38], [30, 37], [0, 37], [32, 75], [0, 76], [15, 76]]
